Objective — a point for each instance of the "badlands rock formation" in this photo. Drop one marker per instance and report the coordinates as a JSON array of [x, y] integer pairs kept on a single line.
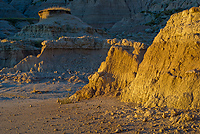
[[6, 29], [83, 54], [114, 74], [133, 19], [153, 14], [168, 74], [105, 13], [21, 5], [8, 11], [54, 23], [11, 52], [101, 12]]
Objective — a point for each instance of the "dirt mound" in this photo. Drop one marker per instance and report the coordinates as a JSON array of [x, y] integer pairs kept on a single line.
[[169, 74]]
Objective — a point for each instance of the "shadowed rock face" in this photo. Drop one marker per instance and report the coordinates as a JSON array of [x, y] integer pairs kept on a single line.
[[12, 52], [105, 13], [6, 29], [8, 11], [21, 5]]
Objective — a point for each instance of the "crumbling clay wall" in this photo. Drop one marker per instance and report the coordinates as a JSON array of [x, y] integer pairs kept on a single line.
[[12, 52], [114, 74], [65, 54]]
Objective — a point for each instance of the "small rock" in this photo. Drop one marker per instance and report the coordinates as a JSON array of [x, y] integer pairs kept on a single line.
[[118, 125], [148, 113], [193, 126], [120, 130], [98, 106], [183, 126], [174, 113], [135, 115], [144, 120], [55, 129], [164, 115], [177, 131], [149, 30], [161, 130], [112, 113]]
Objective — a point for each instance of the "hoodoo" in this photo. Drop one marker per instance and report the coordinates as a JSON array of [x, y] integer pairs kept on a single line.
[[56, 22]]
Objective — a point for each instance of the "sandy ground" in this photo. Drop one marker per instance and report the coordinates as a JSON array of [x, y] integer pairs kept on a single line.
[[97, 115], [23, 110]]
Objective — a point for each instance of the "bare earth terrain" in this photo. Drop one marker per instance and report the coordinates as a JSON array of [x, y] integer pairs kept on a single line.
[[97, 115]]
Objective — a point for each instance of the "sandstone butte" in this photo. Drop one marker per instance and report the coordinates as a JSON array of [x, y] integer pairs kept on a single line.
[[168, 74]]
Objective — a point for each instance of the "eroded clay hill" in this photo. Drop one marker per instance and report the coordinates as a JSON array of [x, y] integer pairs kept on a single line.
[[114, 74], [169, 73]]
